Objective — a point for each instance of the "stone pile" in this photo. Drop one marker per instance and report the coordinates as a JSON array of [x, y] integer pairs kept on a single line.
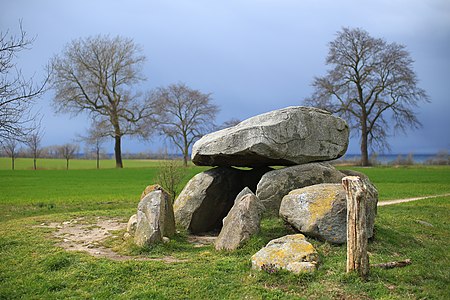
[[306, 193]]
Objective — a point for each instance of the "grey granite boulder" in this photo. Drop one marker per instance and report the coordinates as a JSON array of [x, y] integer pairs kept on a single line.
[[155, 218], [208, 197], [292, 253], [242, 221], [320, 211], [289, 136], [274, 185]]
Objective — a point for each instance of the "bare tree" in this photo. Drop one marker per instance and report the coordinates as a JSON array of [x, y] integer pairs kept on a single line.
[[68, 151], [10, 146], [370, 82], [95, 138], [33, 142], [17, 94], [183, 115], [97, 75]]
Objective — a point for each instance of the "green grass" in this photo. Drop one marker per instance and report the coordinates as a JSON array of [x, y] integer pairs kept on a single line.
[[407, 182], [74, 164], [32, 267]]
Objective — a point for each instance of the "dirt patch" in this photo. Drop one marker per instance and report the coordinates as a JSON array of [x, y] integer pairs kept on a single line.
[[201, 240], [82, 235]]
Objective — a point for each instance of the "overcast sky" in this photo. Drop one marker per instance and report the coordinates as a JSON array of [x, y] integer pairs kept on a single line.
[[252, 55]]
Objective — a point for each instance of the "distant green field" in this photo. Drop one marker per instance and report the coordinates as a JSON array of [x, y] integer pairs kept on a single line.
[[74, 164], [410, 181]]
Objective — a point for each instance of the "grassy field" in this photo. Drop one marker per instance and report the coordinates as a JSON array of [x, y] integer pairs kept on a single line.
[[74, 164], [32, 267]]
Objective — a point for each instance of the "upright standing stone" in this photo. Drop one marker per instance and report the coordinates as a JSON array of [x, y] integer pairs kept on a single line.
[[241, 222], [155, 218], [206, 199], [289, 136]]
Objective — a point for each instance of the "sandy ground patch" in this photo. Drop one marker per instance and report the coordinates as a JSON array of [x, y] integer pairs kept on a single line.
[[390, 202], [81, 235]]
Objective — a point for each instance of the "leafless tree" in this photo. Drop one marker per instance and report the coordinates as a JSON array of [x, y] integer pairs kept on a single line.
[[183, 115], [10, 146], [68, 151], [95, 138], [372, 85], [98, 75], [17, 94], [33, 142]]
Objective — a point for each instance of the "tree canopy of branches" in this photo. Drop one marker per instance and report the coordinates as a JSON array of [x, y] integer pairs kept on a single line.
[[183, 115], [17, 94], [10, 146], [68, 151], [97, 75], [33, 142], [96, 136], [372, 85]]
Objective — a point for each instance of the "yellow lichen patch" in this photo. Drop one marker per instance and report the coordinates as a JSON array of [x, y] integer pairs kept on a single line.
[[291, 252], [323, 203], [151, 188]]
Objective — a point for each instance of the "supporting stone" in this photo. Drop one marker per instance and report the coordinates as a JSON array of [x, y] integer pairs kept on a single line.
[[357, 257]]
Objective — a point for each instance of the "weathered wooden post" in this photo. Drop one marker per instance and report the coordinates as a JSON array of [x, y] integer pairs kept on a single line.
[[356, 193]]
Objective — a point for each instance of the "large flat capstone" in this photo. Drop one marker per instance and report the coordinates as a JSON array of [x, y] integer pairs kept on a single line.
[[289, 136]]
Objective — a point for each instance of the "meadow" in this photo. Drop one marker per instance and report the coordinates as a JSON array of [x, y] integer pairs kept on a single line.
[[33, 267]]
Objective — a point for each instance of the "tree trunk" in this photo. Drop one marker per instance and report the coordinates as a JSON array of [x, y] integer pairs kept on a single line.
[[118, 151], [34, 163], [186, 149], [364, 135], [98, 159], [67, 164], [12, 162], [185, 157], [357, 257]]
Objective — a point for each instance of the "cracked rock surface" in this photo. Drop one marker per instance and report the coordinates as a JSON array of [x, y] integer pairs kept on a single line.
[[289, 136]]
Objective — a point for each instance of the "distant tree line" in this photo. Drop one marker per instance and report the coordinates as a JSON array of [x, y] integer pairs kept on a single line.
[[370, 83]]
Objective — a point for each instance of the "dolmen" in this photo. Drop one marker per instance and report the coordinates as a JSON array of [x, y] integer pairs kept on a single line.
[[277, 158]]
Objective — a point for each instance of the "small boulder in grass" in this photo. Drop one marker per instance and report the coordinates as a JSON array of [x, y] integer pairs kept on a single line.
[[291, 252]]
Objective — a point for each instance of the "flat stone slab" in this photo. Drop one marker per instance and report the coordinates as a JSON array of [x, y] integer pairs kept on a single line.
[[289, 136]]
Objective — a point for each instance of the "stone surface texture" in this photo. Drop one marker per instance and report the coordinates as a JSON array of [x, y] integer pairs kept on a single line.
[[320, 211], [242, 221], [131, 225], [155, 219], [276, 184], [291, 252], [206, 199], [289, 136]]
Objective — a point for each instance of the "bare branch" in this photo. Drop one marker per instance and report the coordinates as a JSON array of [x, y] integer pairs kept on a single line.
[[97, 75], [369, 79]]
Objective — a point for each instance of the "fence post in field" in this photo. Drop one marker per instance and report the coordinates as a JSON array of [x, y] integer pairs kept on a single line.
[[357, 257]]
